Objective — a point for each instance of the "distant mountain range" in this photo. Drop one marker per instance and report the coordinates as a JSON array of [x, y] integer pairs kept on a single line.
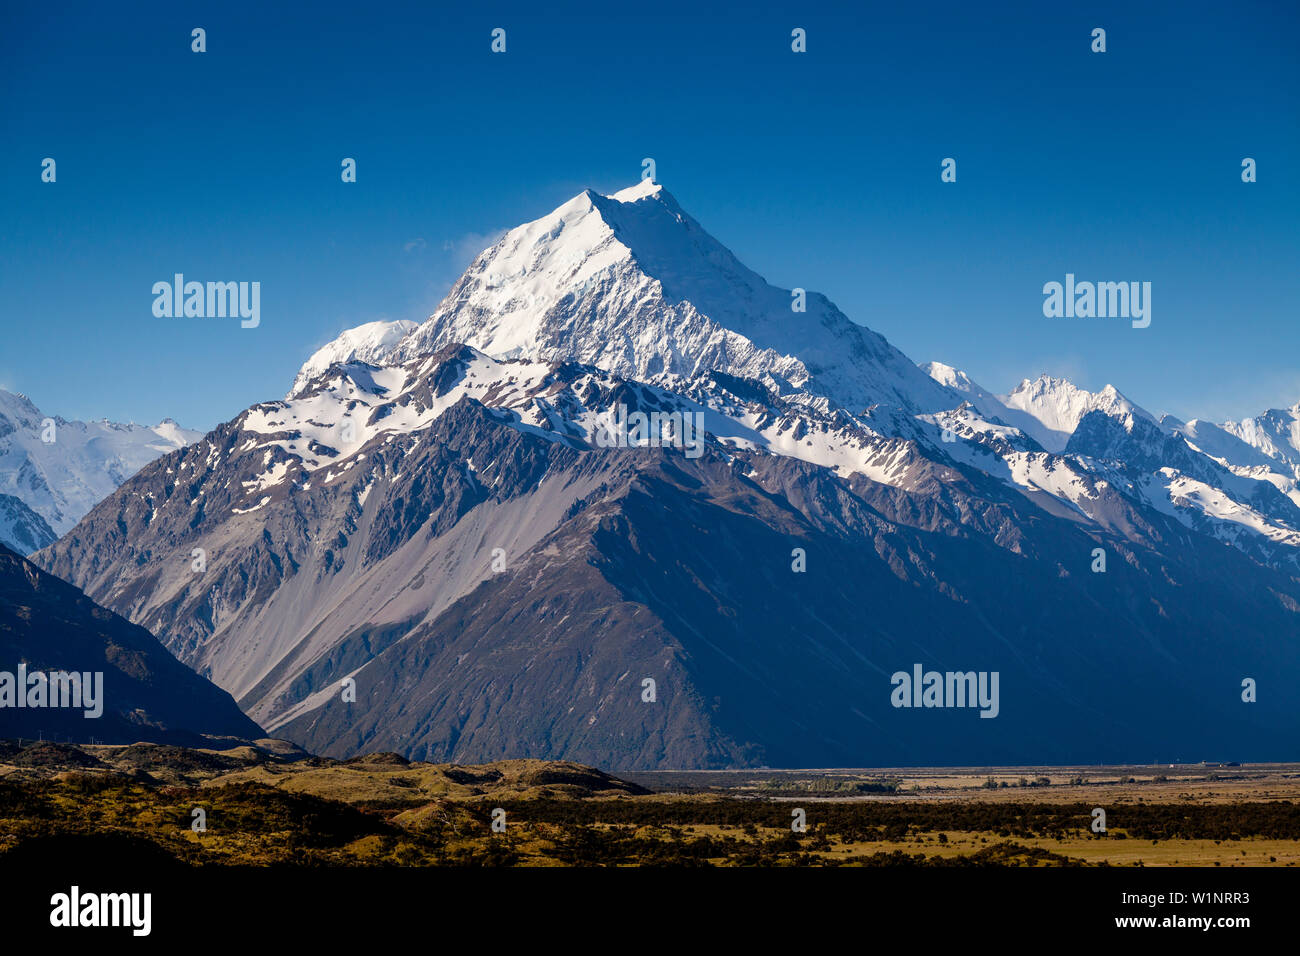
[[432, 512], [52, 471]]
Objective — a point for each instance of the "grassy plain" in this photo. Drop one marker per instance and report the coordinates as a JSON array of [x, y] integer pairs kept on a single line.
[[269, 803]]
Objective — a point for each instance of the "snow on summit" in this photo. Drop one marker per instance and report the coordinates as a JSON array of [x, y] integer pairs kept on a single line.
[[1276, 434], [63, 478], [1057, 406], [628, 285], [632, 284], [646, 187], [371, 343]]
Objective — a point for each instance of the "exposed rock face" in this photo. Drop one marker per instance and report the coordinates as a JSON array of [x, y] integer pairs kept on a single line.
[[21, 528], [374, 560]]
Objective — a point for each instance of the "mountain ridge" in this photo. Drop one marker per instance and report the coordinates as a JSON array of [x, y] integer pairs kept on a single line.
[[448, 529], [60, 469]]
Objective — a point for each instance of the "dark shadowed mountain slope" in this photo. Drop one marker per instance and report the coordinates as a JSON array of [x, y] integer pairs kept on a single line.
[[147, 695]]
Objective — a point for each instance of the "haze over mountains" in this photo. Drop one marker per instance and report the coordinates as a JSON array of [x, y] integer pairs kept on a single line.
[[430, 512]]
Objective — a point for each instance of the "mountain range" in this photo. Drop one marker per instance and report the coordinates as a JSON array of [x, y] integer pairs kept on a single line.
[[52, 471], [431, 513]]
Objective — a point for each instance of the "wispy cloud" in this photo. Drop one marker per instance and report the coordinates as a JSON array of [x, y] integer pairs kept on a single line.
[[461, 251]]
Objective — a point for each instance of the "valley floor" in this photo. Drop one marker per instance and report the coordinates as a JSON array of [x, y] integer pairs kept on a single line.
[[267, 803]]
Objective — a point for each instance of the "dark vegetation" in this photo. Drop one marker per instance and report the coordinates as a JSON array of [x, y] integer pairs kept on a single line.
[[250, 823], [862, 822], [266, 804]]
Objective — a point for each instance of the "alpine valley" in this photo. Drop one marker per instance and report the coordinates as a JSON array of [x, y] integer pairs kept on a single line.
[[430, 513]]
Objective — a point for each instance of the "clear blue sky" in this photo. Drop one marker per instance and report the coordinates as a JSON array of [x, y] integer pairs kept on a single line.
[[819, 170]]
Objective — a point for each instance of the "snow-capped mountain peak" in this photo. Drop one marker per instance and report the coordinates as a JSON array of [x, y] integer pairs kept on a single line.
[[1275, 434], [947, 375], [371, 343], [355, 527], [61, 474], [18, 410], [1058, 405], [632, 284], [979, 396], [642, 190]]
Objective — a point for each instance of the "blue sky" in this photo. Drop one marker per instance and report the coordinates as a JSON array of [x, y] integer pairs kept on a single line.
[[819, 170]]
